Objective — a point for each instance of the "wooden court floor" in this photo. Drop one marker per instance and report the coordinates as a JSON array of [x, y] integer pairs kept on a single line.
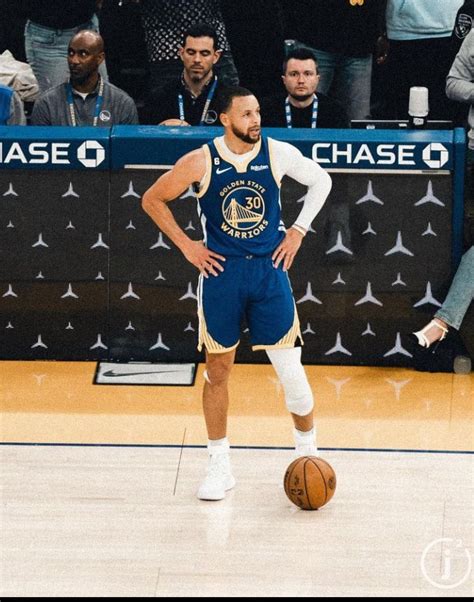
[[98, 487]]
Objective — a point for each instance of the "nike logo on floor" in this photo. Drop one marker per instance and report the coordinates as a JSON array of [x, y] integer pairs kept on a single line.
[[111, 373]]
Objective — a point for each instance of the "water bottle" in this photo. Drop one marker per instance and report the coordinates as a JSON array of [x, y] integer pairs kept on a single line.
[[462, 364]]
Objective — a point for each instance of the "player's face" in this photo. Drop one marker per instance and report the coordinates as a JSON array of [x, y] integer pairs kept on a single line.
[[244, 118], [199, 57], [301, 79]]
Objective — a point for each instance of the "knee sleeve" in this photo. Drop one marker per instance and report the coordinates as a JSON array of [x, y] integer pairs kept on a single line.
[[290, 371]]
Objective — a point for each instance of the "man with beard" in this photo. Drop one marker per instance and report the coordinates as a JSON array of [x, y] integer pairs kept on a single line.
[[192, 98], [86, 99], [302, 107], [243, 263]]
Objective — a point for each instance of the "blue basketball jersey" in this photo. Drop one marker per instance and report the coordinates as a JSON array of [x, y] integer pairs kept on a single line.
[[239, 205]]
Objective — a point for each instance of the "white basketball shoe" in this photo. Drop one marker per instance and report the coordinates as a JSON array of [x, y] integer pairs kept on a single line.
[[219, 477]]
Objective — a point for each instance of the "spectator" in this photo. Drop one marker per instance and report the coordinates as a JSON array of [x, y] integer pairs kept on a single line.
[[11, 107], [419, 35], [191, 99], [302, 107], [49, 29], [460, 88], [164, 22], [455, 306], [343, 35], [87, 99], [462, 25]]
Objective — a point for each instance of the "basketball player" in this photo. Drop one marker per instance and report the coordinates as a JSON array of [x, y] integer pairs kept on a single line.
[[243, 261]]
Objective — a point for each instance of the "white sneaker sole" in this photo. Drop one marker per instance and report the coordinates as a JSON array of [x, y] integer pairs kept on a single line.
[[215, 496]]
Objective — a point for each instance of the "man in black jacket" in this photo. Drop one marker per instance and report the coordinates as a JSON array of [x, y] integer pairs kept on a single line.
[[192, 98], [302, 107]]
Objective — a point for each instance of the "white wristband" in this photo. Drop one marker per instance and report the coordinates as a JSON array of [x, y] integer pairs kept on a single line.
[[299, 229]]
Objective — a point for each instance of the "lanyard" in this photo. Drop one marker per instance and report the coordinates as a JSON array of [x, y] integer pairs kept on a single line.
[[206, 104], [98, 104], [314, 114]]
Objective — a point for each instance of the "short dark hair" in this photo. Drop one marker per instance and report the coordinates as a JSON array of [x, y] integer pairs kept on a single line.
[[227, 95], [300, 54], [201, 30]]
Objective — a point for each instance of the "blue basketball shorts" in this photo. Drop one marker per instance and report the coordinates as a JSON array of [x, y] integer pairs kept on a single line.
[[251, 288]]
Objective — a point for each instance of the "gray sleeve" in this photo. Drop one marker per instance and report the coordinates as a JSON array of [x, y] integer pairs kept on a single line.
[[128, 112], [17, 114], [41, 113], [459, 83]]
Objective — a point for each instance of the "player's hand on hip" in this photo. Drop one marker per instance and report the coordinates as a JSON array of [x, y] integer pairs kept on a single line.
[[206, 261], [287, 249]]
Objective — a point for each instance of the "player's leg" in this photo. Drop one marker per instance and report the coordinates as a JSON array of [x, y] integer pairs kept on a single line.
[[298, 397], [219, 478], [274, 326], [220, 312], [215, 399]]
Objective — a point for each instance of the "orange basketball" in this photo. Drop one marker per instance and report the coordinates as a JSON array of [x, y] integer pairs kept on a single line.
[[310, 482]]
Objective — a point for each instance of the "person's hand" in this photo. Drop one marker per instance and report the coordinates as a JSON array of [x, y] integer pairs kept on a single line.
[[287, 249], [203, 259], [381, 50], [178, 122]]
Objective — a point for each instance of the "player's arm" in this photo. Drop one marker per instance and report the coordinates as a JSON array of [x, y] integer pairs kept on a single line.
[[188, 170], [289, 161]]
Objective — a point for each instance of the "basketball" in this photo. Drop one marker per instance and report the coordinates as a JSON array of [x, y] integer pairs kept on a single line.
[[310, 482]]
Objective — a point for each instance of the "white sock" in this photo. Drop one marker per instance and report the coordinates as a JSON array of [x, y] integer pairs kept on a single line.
[[216, 442], [305, 437], [218, 445]]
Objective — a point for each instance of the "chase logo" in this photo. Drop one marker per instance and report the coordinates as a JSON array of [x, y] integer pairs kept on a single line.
[[435, 155], [394, 155], [52, 154], [91, 153]]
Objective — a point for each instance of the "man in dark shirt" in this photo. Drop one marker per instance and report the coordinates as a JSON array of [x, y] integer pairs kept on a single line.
[[86, 99], [164, 22], [192, 98], [302, 107]]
